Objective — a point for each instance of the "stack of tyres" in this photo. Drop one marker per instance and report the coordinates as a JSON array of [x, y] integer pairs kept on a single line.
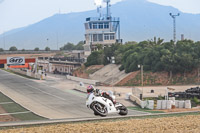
[[176, 103], [164, 104], [169, 104], [189, 93], [159, 104], [188, 104], [181, 104]]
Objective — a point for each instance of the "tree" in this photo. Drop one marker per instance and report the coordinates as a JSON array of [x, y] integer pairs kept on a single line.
[[154, 55], [99, 46], [68, 46], [1, 50], [23, 49], [47, 49], [13, 48], [79, 46], [154, 41], [96, 58], [36, 49]]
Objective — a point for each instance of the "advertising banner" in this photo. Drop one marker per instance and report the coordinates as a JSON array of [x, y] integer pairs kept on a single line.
[[15, 60]]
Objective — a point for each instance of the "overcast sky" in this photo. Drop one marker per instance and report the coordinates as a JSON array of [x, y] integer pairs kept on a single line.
[[20, 13]]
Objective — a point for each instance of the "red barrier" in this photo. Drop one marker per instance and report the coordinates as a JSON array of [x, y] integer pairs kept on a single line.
[[3, 61], [26, 65], [31, 60]]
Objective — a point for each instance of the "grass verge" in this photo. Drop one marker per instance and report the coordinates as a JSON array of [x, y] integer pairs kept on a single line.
[[145, 110], [14, 107], [4, 98]]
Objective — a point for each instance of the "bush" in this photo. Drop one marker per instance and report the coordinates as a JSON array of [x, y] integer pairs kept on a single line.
[[196, 100], [47, 49], [36, 49], [13, 48], [1, 50]]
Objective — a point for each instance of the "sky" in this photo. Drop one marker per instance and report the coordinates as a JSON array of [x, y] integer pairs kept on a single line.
[[187, 6], [20, 13]]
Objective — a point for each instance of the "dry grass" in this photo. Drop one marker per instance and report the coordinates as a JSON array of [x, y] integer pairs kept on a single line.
[[183, 124]]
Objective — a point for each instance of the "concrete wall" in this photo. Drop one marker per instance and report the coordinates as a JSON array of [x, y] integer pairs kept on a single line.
[[17, 71], [28, 73], [143, 104], [87, 81], [109, 74], [81, 88]]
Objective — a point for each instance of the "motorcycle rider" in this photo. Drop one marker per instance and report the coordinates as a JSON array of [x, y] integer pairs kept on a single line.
[[99, 92]]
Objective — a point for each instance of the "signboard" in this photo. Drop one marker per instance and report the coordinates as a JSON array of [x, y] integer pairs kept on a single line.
[[15, 60]]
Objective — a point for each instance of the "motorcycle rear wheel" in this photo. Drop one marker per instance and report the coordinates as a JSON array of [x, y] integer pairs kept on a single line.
[[100, 109], [123, 110]]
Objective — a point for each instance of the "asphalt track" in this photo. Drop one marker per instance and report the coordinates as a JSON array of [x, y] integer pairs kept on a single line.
[[46, 101]]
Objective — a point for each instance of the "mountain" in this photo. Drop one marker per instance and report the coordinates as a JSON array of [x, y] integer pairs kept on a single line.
[[140, 20]]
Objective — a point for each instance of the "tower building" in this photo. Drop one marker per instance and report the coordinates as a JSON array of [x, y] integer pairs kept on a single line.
[[103, 30]]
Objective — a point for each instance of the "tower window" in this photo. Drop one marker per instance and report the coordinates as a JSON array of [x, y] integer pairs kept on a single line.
[[106, 37], [100, 25], [95, 37], [100, 37], [112, 36], [95, 26], [106, 25]]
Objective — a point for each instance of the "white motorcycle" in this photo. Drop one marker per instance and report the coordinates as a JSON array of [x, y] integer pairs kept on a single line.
[[103, 106]]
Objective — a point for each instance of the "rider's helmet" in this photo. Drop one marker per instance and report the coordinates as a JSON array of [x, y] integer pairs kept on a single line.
[[90, 89]]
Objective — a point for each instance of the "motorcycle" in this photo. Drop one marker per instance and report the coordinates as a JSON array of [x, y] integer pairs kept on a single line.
[[103, 106]]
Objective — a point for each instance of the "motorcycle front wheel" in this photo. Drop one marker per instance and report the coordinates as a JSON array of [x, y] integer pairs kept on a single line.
[[100, 109]]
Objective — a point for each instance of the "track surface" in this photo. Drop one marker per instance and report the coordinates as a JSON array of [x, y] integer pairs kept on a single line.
[[46, 101]]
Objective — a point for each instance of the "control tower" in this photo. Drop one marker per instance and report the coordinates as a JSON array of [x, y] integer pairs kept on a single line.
[[103, 30]]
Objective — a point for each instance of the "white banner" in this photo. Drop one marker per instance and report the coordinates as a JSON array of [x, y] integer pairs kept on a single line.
[[15, 60]]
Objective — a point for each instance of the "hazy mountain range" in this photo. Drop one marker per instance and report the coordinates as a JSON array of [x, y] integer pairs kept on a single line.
[[140, 20]]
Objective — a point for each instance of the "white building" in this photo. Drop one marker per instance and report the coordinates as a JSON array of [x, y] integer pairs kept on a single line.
[[102, 30]]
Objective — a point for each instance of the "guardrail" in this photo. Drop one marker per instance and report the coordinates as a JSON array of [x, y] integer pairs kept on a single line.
[[87, 81]]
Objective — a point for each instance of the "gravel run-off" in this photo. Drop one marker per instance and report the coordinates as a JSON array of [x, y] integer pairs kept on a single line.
[[182, 124]]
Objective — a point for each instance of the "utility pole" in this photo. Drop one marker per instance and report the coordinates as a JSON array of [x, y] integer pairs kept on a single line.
[[142, 78], [174, 24], [4, 41]]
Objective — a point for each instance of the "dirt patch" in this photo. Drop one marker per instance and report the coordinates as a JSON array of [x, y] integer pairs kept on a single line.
[[6, 118], [127, 79], [84, 72], [159, 78], [183, 124]]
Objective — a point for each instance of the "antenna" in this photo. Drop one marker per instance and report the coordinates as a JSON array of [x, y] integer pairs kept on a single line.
[[108, 8], [98, 3], [174, 23], [99, 11]]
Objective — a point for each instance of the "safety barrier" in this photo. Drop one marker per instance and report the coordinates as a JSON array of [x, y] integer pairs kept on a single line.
[[81, 88], [143, 104], [87, 81]]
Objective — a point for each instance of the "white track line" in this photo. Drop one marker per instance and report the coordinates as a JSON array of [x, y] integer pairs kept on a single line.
[[46, 92], [6, 103], [16, 113]]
